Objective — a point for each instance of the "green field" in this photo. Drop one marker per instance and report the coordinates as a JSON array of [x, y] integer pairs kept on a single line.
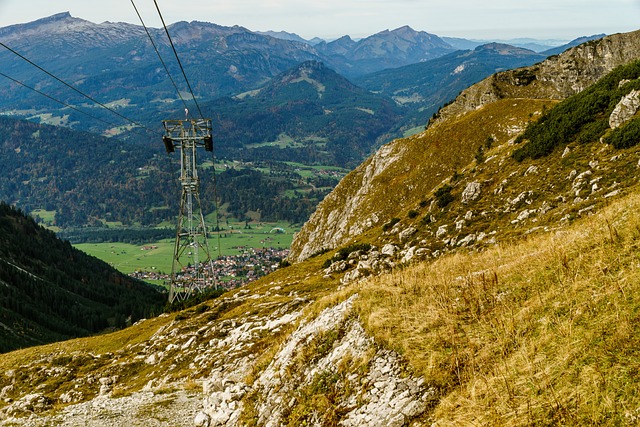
[[156, 256]]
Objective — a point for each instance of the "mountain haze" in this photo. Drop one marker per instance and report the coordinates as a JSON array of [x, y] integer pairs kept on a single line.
[[425, 86], [387, 49]]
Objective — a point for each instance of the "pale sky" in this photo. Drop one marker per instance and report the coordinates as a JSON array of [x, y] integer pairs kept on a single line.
[[329, 19]]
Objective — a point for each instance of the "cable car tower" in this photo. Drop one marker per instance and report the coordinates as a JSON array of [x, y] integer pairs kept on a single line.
[[192, 268]]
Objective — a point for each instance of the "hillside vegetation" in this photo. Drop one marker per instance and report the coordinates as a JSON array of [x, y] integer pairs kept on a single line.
[[53, 292], [405, 174], [539, 331], [88, 180], [584, 118]]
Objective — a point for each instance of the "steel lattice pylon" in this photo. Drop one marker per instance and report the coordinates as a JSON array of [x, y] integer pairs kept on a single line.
[[192, 265]]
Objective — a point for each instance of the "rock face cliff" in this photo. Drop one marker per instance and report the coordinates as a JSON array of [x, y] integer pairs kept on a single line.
[[367, 198], [557, 77]]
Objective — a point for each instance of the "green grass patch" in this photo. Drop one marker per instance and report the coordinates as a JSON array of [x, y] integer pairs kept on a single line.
[[156, 256], [130, 258]]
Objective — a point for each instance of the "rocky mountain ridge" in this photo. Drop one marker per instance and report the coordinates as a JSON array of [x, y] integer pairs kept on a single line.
[[340, 216], [386, 49], [62, 25], [555, 78]]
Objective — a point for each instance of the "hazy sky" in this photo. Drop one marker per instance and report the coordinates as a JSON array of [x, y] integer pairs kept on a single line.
[[480, 19]]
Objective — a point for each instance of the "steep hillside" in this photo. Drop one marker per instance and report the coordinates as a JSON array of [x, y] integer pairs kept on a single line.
[[541, 331], [325, 119], [475, 121], [53, 292]]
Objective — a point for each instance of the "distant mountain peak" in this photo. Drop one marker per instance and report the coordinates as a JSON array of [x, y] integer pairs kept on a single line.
[[504, 49], [405, 29], [283, 35], [56, 17], [313, 72]]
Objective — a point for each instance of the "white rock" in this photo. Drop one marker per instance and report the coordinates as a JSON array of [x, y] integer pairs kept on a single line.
[[471, 192], [405, 235], [523, 215], [625, 110], [202, 420], [389, 250], [151, 360], [408, 256], [467, 240], [413, 408]]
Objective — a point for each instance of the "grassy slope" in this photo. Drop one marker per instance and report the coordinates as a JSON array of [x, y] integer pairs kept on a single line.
[[540, 331], [543, 330], [423, 162]]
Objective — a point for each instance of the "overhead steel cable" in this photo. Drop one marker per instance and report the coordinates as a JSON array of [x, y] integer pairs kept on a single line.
[[175, 52], [75, 89], [184, 74], [216, 202], [159, 56], [56, 100]]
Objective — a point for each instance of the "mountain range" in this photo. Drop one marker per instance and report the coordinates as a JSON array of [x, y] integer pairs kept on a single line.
[[116, 64], [272, 100]]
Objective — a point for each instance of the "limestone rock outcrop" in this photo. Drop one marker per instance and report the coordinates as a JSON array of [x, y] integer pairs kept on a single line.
[[625, 110], [557, 77]]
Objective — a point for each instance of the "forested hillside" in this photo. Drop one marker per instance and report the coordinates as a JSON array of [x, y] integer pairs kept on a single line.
[[308, 114], [86, 179], [52, 291]]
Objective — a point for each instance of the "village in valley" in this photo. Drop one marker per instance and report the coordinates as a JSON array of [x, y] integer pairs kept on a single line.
[[231, 271]]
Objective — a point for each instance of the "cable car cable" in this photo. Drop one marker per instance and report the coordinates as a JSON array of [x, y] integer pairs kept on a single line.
[[75, 89], [159, 56], [175, 52]]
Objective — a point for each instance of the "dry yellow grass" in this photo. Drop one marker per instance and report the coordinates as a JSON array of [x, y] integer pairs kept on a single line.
[[545, 331]]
